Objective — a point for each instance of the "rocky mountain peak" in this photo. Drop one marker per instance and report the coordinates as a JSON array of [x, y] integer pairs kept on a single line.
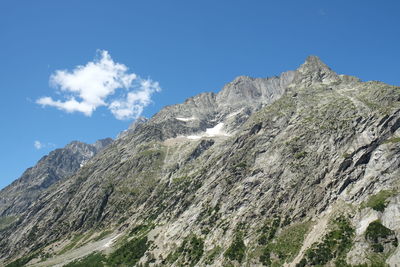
[[102, 143], [87, 150], [314, 63], [137, 122], [134, 125], [314, 71], [255, 175], [242, 78], [56, 166]]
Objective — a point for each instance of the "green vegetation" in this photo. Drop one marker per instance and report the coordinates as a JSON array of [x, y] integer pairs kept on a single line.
[[375, 260], [92, 260], [283, 107], [376, 233], [32, 233], [194, 249], [335, 245], [265, 257], [289, 241], [102, 235], [141, 229], [300, 155], [212, 254], [180, 180], [268, 230], [392, 140], [346, 155], [237, 250], [285, 246], [189, 253], [129, 253], [6, 221], [295, 147], [240, 165], [335, 114], [72, 243], [378, 202], [22, 261], [380, 97]]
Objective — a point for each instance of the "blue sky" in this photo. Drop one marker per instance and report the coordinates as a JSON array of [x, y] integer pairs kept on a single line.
[[187, 47]]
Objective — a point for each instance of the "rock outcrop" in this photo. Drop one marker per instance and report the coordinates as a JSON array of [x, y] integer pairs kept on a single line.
[[296, 170], [57, 166]]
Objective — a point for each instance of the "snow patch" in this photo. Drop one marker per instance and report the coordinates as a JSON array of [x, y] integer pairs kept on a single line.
[[186, 119], [194, 137], [234, 113], [217, 130], [111, 241]]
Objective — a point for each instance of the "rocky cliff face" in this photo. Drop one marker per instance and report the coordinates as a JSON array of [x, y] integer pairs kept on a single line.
[[296, 170], [57, 166]]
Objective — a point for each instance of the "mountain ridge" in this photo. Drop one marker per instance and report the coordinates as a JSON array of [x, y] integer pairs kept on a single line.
[[50, 169], [265, 175]]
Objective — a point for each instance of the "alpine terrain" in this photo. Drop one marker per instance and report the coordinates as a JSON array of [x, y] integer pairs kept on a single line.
[[296, 170]]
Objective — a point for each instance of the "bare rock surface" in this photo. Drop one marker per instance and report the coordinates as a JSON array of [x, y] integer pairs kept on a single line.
[[58, 165], [297, 170]]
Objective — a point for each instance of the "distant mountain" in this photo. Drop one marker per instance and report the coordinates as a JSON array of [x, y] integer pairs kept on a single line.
[[57, 166], [296, 170]]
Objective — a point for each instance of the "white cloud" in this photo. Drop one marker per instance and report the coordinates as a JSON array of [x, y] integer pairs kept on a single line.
[[132, 106], [91, 86], [38, 145]]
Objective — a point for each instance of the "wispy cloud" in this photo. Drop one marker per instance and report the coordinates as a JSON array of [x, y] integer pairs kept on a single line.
[[134, 102], [39, 145], [101, 82]]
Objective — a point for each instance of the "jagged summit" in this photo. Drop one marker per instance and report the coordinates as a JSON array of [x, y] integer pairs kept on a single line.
[[134, 125], [314, 71], [314, 63], [238, 99], [296, 170], [52, 168], [234, 103]]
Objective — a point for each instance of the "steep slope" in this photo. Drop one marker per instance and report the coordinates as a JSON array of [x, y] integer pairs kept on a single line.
[[59, 164], [300, 169]]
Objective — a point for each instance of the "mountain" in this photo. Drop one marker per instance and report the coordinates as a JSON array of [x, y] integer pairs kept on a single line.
[[296, 170], [57, 166]]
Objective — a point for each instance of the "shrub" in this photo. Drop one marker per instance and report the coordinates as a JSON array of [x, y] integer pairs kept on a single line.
[[290, 240], [393, 140], [190, 251], [93, 260], [268, 230], [237, 249], [129, 253], [22, 261], [378, 202], [212, 254], [376, 233], [141, 229], [335, 244]]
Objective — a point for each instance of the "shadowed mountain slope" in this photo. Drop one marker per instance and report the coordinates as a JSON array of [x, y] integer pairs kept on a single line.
[[296, 170]]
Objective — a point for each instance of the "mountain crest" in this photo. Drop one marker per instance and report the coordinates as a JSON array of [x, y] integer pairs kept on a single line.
[[314, 71], [314, 63], [306, 160]]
